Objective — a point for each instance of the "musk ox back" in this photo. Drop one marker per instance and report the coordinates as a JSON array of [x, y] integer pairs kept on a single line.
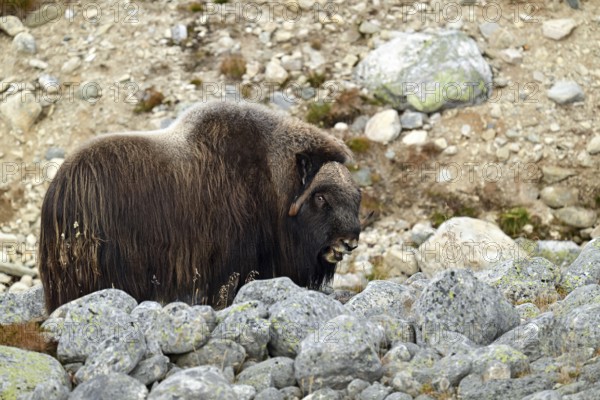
[[226, 193]]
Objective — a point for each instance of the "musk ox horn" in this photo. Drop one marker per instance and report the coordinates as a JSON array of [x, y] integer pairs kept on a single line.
[[174, 214]]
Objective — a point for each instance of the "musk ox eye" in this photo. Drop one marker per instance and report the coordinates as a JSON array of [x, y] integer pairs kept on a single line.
[[320, 200]]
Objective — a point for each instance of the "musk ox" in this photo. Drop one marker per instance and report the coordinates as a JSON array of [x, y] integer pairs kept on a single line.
[[171, 215]]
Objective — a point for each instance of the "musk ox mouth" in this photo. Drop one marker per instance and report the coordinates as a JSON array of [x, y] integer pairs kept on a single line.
[[335, 252]]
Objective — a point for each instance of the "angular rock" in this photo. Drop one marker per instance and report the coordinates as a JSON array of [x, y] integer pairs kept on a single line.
[[274, 72], [114, 298], [447, 63], [488, 28], [399, 262], [473, 387], [267, 291], [415, 138], [244, 392], [516, 361], [399, 396], [383, 127], [217, 352], [21, 372], [277, 372], [525, 280], [356, 387], [560, 252], [533, 338], [581, 296], [464, 242], [577, 217], [412, 119], [108, 387], [565, 92], [585, 269], [558, 29], [245, 324], [382, 297], [115, 354], [205, 382], [457, 301], [179, 329], [11, 25], [49, 390], [376, 391], [544, 395], [269, 394], [553, 174], [43, 15], [527, 311], [511, 56], [333, 359], [593, 147], [395, 330], [368, 27], [54, 152], [70, 65], [178, 33], [82, 326], [151, 369], [24, 42], [295, 317], [579, 328], [22, 307], [559, 196], [208, 314], [21, 110]]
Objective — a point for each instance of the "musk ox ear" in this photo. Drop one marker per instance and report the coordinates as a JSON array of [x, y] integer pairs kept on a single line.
[[307, 165], [306, 170]]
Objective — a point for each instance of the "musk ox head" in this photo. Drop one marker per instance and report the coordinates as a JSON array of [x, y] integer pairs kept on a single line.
[[171, 215], [327, 210]]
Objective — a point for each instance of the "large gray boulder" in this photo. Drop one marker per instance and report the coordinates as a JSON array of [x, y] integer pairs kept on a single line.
[[427, 71], [82, 326], [246, 324], [457, 301], [526, 280], [578, 328], [338, 355], [295, 317], [464, 242], [585, 269], [534, 338], [22, 371]]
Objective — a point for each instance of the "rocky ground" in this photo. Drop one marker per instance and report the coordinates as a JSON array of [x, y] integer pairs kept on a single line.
[[520, 152], [503, 332]]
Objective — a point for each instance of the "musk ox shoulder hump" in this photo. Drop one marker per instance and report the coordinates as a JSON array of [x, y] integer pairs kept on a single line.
[[285, 135]]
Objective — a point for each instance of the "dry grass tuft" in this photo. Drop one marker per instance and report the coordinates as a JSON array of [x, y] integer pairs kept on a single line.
[[27, 336], [233, 66]]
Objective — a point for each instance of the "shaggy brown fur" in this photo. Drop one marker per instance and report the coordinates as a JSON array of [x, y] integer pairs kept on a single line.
[[172, 214]]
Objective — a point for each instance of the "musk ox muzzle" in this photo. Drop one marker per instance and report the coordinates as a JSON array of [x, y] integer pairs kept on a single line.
[[225, 194]]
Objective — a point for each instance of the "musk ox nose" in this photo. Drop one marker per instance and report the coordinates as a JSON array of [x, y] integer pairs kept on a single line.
[[350, 244]]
